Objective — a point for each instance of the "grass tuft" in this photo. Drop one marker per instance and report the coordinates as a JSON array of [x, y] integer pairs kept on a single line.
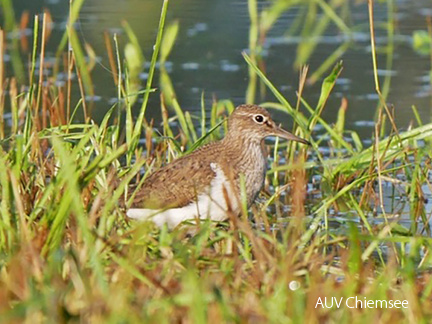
[[341, 219]]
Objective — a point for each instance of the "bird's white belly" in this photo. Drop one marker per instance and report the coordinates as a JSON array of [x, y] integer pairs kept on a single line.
[[220, 198]]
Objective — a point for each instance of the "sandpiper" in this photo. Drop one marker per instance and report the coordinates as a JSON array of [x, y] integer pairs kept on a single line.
[[207, 182]]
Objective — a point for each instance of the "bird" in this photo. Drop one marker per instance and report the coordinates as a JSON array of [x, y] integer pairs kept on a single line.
[[208, 182]]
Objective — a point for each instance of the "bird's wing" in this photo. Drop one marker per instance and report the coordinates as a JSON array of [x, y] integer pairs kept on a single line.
[[176, 184]]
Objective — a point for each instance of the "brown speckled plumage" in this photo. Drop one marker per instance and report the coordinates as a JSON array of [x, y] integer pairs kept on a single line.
[[241, 152]]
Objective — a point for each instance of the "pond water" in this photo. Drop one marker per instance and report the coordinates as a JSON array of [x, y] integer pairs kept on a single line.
[[207, 54], [207, 58]]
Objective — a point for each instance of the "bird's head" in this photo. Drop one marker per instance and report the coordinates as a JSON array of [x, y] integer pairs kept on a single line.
[[255, 123]]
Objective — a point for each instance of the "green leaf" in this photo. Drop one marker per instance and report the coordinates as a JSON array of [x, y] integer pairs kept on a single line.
[[133, 39], [168, 40], [422, 42]]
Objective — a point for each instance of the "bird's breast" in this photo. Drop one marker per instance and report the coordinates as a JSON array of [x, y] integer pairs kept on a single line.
[[253, 168]]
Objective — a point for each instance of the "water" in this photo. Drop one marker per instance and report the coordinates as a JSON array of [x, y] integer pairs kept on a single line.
[[207, 58], [207, 54]]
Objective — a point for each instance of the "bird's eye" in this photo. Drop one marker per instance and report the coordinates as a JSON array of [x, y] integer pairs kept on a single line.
[[259, 119]]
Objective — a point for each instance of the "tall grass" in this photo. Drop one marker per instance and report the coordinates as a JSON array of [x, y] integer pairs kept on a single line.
[[68, 253]]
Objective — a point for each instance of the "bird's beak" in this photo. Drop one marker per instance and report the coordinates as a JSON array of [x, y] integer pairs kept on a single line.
[[280, 132]]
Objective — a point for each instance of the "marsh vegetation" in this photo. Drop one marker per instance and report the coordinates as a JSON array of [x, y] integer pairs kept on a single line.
[[348, 217]]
